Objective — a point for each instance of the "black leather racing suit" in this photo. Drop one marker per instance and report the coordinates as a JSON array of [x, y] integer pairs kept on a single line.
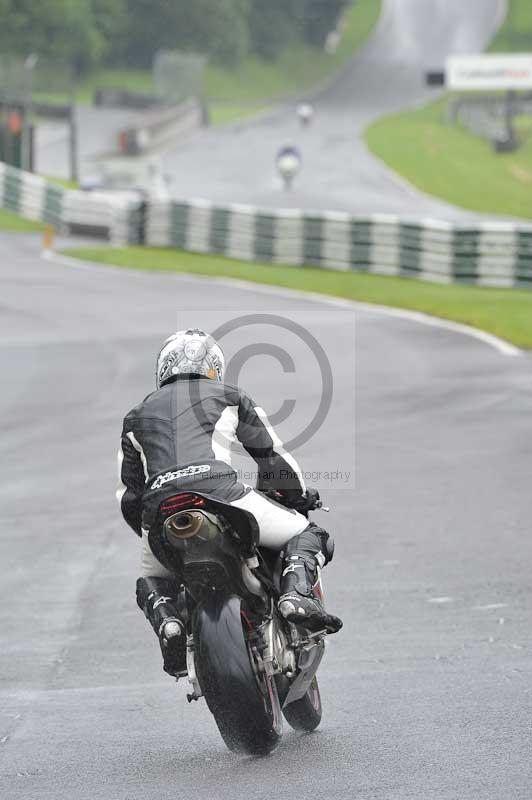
[[180, 437]]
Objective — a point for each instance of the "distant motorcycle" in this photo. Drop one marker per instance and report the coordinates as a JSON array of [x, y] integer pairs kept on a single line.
[[250, 664], [305, 113], [288, 164]]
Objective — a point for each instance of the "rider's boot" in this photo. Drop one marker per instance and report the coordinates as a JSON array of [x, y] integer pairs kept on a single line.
[[157, 598], [303, 555]]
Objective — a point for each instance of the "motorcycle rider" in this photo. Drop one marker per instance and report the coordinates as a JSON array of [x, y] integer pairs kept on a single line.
[[288, 163], [180, 437]]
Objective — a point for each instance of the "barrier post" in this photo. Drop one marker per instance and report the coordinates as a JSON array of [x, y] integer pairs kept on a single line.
[[48, 239]]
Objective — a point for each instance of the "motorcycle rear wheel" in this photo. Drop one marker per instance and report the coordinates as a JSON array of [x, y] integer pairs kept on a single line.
[[247, 711]]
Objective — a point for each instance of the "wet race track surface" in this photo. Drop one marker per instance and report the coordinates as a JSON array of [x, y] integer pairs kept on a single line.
[[427, 688], [425, 461]]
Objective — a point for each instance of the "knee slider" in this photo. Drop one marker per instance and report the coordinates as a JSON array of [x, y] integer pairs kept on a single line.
[[327, 541], [310, 542]]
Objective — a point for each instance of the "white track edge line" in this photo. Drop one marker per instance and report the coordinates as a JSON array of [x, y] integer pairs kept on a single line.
[[502, 346]]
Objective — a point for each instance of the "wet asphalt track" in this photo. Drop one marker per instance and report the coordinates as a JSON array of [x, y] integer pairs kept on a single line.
[[427, 689]]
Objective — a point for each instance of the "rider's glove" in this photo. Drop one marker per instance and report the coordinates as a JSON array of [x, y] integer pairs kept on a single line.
[[304, 503], [307, 502]]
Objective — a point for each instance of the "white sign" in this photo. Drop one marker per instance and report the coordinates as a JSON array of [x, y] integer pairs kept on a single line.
[[497, 71]]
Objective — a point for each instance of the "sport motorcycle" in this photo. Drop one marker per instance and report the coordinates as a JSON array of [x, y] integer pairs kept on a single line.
[[251, 665]]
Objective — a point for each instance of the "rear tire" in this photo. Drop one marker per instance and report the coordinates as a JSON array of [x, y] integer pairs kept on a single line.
[[305, 714], [248, 715]]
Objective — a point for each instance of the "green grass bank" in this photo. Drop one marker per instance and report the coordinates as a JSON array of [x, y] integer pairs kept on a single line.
[[11, 222], [515, 34], [453, 164], [449, 162], [504, 312]]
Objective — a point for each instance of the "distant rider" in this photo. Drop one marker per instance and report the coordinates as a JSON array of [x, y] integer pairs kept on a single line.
[[180, 436]]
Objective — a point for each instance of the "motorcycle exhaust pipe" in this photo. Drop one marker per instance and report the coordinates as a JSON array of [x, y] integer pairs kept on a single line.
[[184, 525]]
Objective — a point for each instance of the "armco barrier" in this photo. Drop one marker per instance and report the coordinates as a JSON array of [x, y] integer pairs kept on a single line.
[[152, 129], [487, 254], [114, 216], [497, 254]]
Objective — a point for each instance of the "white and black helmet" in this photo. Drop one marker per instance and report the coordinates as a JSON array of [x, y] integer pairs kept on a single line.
[[190, 352]]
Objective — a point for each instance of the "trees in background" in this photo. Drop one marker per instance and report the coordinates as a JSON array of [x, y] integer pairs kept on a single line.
[[78, 33], [84, 33], [320, 18], [218, 28], [275, 24]]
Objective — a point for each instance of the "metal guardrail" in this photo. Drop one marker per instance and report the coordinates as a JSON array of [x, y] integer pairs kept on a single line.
[[157, 127], [490, 116], [496, 254]]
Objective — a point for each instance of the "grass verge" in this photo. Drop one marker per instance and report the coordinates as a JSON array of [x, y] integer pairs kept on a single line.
[[11, 222], [504, 312], [449, 162], [64, 182], [515, 34]]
